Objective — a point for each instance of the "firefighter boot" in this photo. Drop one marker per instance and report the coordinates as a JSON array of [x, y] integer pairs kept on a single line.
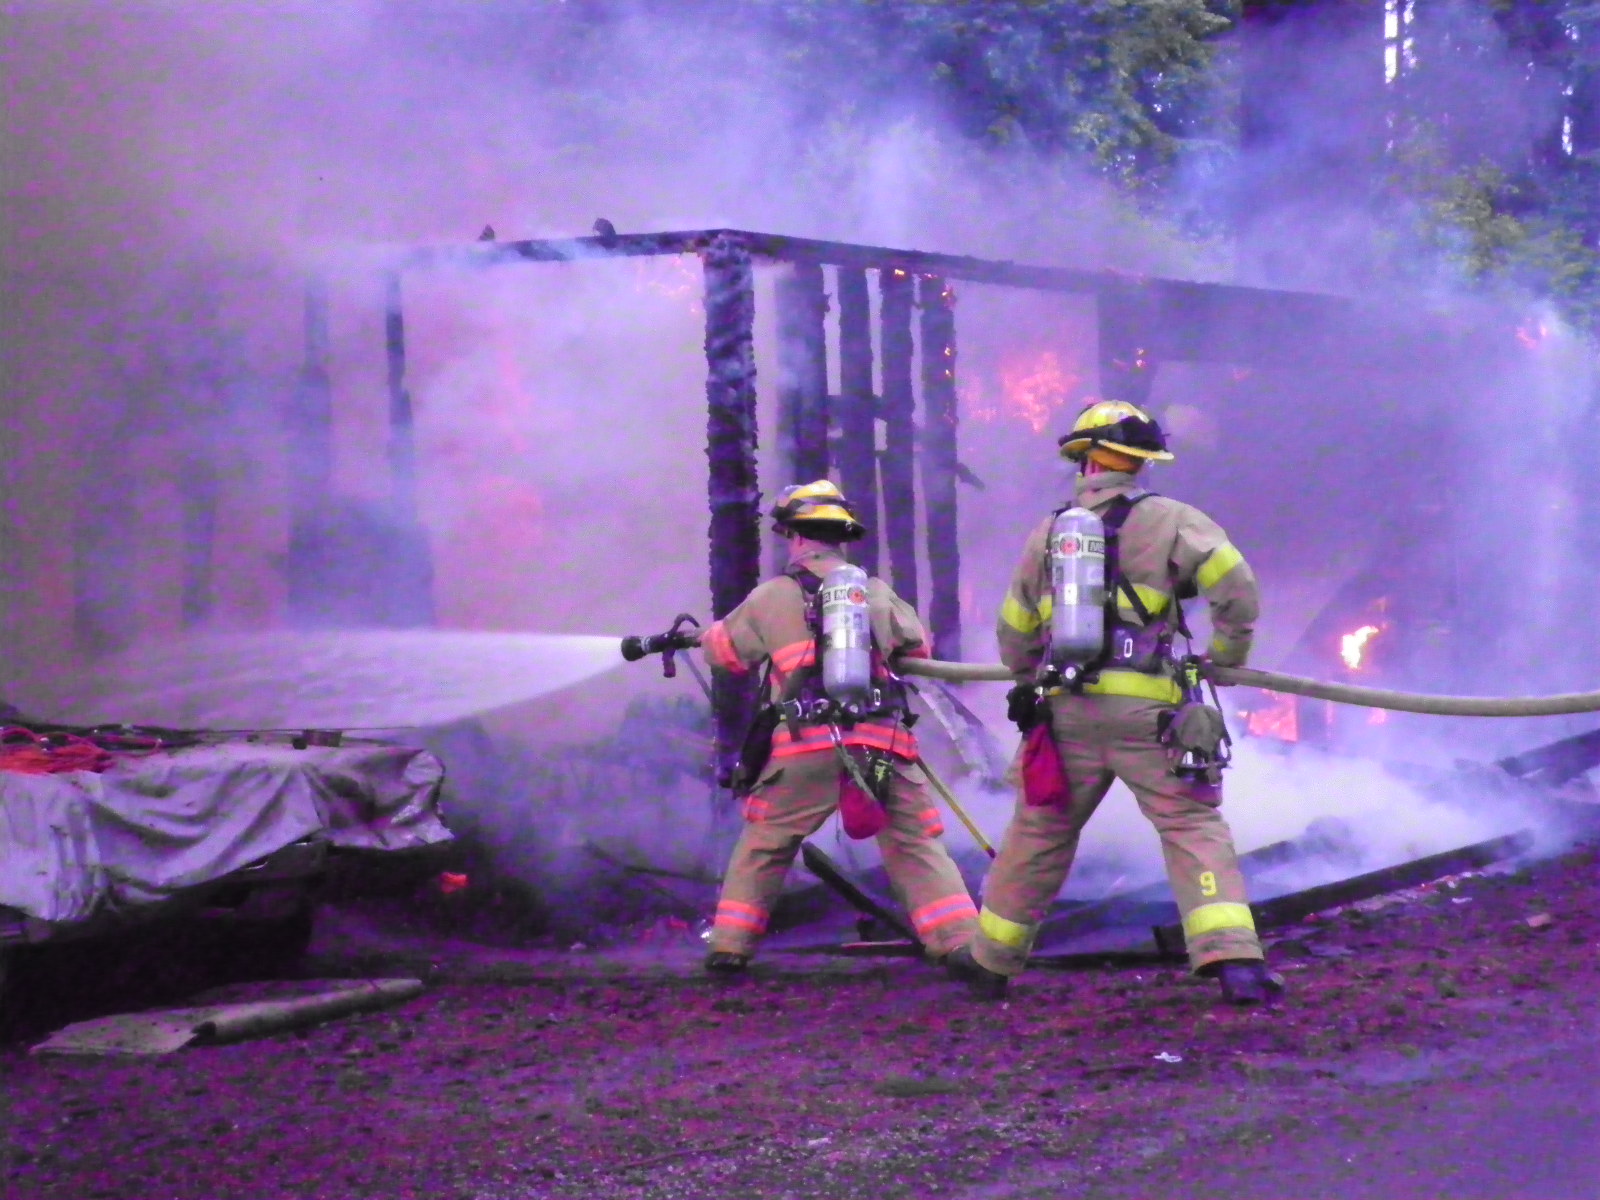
[[981, 982], [1248, 981], [726, 964]]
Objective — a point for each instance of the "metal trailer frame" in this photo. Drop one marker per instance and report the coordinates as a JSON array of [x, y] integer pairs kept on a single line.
[[1142, 322]]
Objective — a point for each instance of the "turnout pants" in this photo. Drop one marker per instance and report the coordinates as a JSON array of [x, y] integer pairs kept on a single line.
[[1102, 738], [792, 800]]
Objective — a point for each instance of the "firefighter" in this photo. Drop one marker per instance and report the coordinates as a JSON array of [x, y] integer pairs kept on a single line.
[[1109, 723], [816, 757]]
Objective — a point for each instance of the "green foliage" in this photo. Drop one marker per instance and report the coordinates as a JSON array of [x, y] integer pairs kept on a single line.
[[1146, 93], [1125, 84], [1491, 228]]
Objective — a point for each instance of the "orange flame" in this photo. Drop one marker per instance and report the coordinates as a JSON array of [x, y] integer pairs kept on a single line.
[[1279, 719], [1353, 646], [1033, 390], [1532, 334], [673, 277], [450, 882]]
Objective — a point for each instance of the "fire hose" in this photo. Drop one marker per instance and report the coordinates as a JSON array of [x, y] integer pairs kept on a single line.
[[1339, 693]]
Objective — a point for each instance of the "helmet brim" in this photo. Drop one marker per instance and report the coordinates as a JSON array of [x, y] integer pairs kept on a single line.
[[1076, 448]]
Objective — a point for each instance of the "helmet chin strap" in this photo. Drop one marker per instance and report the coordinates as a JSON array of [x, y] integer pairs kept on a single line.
[[800, 545], [1089, 465]]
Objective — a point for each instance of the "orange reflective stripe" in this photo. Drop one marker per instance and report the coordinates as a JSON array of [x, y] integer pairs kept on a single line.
[[718, 648], [893, 738], [944, 912], [932, 825], [794, 655], [969, 914], [756, 809], [741, 915]]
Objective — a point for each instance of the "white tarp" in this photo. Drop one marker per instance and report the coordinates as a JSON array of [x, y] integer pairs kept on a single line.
[[75, 844]]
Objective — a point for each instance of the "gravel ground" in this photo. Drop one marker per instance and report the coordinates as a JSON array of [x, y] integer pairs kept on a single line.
[[528, 1072]]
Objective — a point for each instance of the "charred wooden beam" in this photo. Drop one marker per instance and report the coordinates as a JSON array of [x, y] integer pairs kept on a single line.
[[1296, 906], [856, 416], [802, 375], [899, 460], [939, 417], [1556, 763], [735, 497], [1201, 322], [825, 869]]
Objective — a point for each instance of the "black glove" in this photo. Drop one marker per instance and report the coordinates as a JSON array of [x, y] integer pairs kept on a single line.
[[1022, 706]]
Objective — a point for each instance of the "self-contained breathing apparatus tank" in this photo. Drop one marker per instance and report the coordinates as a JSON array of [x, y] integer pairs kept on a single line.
[[1077, 552], [846, 638]]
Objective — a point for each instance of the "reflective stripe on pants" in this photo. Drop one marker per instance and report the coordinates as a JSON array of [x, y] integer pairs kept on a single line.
[[794, 797], [1103, 738]]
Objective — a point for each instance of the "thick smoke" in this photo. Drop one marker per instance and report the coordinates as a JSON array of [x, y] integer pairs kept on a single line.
[[181, 168]]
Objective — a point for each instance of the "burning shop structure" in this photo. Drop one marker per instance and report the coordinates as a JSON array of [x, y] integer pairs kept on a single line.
[[1313, 391]]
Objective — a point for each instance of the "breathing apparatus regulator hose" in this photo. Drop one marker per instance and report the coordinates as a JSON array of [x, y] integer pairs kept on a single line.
[[1340, 693]]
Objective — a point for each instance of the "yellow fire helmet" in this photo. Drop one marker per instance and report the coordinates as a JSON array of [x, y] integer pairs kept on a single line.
[[817, 508], [1116, 425]]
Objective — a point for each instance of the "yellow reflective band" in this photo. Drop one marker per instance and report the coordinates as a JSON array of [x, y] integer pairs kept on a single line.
[[1136, 683], [1154, 600], [1047, 608], [1020, 618], [1008, 933], [1219, 644], [1209, 918], [1221, 560]]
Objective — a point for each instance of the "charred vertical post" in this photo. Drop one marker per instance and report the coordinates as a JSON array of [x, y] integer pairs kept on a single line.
[[936, 298], [856, 415], [407, 566], [402, 420], [310, 468], [1126, 321], [734, 495], [802, 437], [105, 560], [900, 432], [199, 495], [311, 411]]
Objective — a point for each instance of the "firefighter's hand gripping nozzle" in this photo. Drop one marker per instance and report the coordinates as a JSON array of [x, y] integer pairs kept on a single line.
[[635, 647]]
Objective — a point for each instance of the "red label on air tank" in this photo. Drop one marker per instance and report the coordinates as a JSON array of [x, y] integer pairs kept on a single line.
[[1068, 545]]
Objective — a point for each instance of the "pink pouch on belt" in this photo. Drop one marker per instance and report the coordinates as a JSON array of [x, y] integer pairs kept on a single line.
[[1044, 776], [859, 810]]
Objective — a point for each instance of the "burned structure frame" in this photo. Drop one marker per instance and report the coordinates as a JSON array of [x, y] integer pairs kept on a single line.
[[879, 440]]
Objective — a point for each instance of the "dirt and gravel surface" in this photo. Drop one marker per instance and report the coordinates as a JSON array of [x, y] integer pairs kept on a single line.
[[1441, 1046]]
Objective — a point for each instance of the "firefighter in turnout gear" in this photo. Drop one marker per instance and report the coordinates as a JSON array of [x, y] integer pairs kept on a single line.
[[1108, 720], [833, 734]]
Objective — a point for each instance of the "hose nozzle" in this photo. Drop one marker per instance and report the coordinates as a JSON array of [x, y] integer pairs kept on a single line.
[[636, 646]]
